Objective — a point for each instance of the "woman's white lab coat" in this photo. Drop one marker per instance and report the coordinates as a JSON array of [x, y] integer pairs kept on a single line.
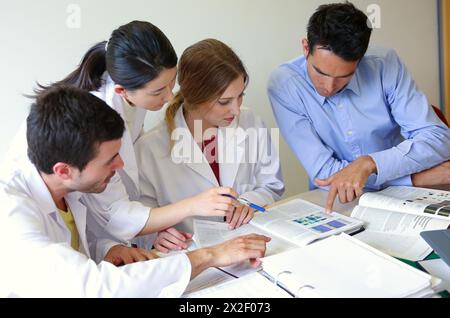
[[166, 179], [134, 118], [39, 261], [132, 219]]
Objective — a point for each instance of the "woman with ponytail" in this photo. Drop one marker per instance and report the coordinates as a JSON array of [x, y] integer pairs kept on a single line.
[[207, 141], [135, 72]]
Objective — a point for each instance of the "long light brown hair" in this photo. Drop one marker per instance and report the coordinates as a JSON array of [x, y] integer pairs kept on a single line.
[[205, 71]]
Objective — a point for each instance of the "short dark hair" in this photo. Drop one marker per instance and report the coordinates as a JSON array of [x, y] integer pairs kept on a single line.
[[67, 124], [341, 28]]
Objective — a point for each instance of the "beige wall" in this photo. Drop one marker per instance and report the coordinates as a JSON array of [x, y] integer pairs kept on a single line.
[[445, 40], [37, 45]]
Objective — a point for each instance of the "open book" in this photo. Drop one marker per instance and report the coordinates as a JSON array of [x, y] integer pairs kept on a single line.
[[395, 217], [293, 224]]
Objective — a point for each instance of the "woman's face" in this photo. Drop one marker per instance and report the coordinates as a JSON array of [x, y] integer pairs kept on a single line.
[[155, 94], [225, 109]]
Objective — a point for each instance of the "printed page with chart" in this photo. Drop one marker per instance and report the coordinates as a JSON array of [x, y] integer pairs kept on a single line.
[[292, 224], [395, 217]]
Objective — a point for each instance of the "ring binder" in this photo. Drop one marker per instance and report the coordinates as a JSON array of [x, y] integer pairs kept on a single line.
[[280, 284], [301, 287], [297, 271], [277, 280]]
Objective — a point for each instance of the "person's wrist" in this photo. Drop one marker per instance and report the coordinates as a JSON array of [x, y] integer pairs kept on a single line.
[[446, 166], [202, 259], [415, 179], [210, 256], [186, 207], [369, 164]]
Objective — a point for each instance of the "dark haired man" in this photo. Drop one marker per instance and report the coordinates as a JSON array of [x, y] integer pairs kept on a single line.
[[355, 119], [73, 145]]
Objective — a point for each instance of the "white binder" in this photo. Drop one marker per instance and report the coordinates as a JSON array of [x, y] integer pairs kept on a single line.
[[342, 266]]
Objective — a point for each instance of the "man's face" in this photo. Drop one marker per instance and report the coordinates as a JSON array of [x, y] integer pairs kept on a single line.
[[328, 72], [98, 172]]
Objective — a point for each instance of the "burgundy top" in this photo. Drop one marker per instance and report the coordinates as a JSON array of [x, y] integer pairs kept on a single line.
[[209, 151]]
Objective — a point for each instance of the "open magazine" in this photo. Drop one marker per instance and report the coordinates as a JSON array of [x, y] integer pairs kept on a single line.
[[395, 217], [293, 224]]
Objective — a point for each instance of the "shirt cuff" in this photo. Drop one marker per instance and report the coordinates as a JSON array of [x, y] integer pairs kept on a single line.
[[385, 172], [403, 181], [391, 164]]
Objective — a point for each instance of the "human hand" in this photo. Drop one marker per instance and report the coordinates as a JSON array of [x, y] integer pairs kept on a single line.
[[171, 239], [240, 215], [212, 202], [438, 175], [348, 183], [248, 247], [122, 255]]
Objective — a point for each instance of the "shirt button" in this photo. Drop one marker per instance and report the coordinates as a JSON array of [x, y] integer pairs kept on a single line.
[[350, 133], [340, 106]]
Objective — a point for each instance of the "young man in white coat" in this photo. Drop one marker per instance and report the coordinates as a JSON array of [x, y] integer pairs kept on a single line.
[[74, 140], [208, 141]]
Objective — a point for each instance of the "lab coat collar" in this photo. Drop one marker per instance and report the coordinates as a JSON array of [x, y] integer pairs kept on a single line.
[[230, 154], [231, 144], [127, 149], [40, 192]]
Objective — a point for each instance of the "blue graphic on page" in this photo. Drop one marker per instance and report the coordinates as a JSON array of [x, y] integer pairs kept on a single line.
[[318, 222]]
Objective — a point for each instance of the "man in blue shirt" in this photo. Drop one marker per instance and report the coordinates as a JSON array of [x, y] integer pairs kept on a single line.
[[355, 119]]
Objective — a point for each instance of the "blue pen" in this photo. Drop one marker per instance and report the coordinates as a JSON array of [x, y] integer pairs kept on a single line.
[[247, 203]]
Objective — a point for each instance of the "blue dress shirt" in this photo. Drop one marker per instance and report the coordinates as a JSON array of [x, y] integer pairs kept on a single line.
[[380, 113]]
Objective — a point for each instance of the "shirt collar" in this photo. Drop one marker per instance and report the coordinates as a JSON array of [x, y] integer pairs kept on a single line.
[[353, 85], [304, 69]]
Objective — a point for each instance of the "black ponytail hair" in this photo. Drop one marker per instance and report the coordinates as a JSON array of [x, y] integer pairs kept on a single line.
[[135, 54]]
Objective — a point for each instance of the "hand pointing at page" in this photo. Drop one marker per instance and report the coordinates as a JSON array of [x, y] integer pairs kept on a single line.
[[348, 183]]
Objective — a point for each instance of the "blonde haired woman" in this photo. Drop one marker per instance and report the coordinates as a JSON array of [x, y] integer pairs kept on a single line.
[[207, 141]]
